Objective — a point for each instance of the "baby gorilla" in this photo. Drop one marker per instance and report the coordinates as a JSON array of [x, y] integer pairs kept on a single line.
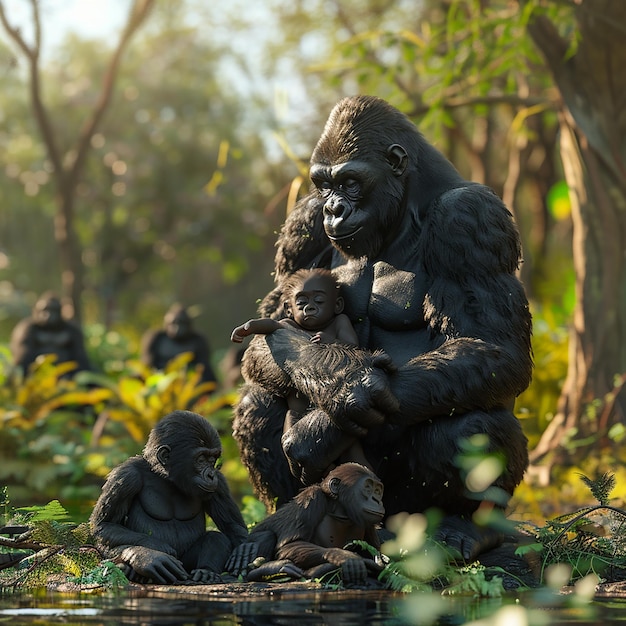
[[312, 303], [151, 515], [313, 533]]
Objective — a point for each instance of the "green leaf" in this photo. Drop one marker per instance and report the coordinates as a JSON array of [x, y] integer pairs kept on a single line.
[[51, 511]]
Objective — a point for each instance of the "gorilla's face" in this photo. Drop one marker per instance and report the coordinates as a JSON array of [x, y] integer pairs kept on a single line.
[[362, 201], [178, 326], [360, 168], [47, 314], [314, 302]]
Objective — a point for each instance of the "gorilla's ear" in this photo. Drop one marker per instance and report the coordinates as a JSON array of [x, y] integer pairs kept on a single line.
[[398, 158], [339, 304], [163, 455], [333, 487]]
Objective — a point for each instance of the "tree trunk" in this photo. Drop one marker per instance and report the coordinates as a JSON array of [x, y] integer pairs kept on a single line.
[[69, 248], [592, 83]]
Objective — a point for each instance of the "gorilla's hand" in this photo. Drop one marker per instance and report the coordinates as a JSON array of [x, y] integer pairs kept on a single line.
[[363, 398], [153, 565], [354, 571], [466, 538], [241, 559], [274, 570], [348, 383], [207, 576]]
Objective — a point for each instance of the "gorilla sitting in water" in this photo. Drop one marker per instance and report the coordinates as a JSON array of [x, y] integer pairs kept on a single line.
[[427, 264]]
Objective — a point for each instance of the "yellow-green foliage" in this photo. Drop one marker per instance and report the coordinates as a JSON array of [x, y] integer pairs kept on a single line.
[[62, 547], [588, 540], [138, 400], [27, 401], [61, 437], [536, 406]]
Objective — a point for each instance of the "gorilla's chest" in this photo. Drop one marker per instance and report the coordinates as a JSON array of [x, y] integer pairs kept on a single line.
[[386, 306], [161, 501], [389, 298], [169, 348], [53, 338]]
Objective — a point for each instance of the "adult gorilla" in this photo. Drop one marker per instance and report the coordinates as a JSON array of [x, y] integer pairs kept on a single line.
[[426, 262]]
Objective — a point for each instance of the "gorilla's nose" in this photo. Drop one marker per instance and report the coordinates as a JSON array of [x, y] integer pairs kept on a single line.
[[336, 208]]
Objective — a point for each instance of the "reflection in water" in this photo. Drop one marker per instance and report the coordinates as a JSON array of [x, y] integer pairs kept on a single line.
[[320, 608]]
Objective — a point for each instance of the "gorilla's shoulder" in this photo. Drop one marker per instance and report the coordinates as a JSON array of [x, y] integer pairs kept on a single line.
[[135, 465], [469, 230], [302, 242]]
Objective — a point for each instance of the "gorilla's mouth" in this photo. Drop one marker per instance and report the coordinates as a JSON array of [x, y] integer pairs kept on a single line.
[[376, 514], [208, 484], [339, 237]]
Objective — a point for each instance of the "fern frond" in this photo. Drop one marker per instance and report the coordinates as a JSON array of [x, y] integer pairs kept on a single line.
[[600, 487]]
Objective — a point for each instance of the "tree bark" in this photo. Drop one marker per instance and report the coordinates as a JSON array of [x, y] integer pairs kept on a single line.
[[592, 83]]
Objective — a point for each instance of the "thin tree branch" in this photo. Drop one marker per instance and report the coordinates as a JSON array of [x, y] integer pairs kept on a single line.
[[41, 115], [489, 99], [137, 14]]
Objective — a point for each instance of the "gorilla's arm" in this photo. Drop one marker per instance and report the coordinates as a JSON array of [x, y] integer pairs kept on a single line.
[[223, 510], [78, 348], [23, 343], [118, 495], [475, 305], [347, 383], [149, 347], [202, 356]]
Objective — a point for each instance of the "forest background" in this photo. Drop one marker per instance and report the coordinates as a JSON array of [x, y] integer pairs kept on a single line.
[[156, 163]]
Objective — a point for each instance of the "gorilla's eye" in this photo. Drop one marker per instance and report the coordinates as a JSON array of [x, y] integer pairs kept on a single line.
[[349, 185], [323, 186], [202, 460]]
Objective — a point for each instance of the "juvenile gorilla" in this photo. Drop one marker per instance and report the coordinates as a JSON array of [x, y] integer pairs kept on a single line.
[[312, 533], [427, 263], [150, 516]]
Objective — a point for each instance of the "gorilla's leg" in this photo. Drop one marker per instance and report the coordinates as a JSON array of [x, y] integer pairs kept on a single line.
[[210, 552], [257, 429], [312, 444], [428, 470]]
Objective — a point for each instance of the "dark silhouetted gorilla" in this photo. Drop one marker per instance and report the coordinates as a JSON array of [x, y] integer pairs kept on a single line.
[[159, 347], [46, 331], [427, 265]]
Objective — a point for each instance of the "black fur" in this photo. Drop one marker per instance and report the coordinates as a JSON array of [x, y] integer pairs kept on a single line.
[[429, 279], [150, 516], [46, 331], [160, 346], [313, 529]]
